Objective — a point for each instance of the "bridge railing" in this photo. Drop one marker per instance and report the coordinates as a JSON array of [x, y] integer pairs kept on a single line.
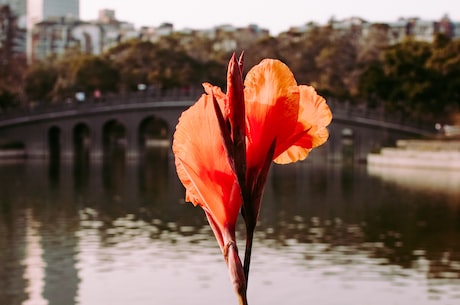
[[93, 103], [346, 110], [343, 110]]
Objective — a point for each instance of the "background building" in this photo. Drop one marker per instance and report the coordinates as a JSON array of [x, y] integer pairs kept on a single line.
[[50, 27], [44, 10], [19, 9], [41, 10]]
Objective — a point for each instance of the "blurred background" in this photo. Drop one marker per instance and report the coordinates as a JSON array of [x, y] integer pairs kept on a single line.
[[92, 211]]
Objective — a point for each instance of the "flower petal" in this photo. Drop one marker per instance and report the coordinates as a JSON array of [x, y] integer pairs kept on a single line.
[[311, 131], [272, 106], [202, 164]]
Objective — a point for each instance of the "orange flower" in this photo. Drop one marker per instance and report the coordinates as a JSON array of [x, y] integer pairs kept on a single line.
[[203, 167], [225, 143], [277, 109]]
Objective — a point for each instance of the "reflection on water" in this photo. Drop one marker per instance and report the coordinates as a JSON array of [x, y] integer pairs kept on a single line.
[[116, 232], [428, 180], [33, 262]]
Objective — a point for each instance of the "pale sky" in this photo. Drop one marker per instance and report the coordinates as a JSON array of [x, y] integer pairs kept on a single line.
[[277, 16]]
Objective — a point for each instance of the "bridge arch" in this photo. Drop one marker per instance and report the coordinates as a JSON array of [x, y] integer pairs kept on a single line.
[[81, 138], [114, 138], [54, 143], [153, 131], [128, 121]]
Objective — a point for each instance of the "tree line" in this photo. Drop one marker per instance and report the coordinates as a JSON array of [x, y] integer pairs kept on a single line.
[[416, 79]]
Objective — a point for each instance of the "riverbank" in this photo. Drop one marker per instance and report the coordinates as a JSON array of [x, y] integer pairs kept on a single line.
[[435, 154]]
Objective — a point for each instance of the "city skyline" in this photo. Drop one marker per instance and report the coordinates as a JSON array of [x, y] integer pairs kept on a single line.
[[276, 18]]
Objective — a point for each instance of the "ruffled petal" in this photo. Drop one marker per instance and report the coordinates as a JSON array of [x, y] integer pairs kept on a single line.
[[311, 129], [272, 106]]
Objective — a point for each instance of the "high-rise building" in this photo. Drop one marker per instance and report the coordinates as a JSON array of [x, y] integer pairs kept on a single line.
[[40, 10]]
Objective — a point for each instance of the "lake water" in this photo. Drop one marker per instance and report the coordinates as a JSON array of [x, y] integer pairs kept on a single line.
[[119, 232]]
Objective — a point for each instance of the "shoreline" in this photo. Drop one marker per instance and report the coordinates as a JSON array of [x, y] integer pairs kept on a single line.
[[427, 154]]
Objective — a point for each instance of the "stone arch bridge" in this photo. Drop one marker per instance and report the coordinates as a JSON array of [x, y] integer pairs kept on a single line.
[[135, 122]]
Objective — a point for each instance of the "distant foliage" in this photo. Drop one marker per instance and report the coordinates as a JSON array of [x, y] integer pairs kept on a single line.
[[413, 78], [40, 80], [417, 79]]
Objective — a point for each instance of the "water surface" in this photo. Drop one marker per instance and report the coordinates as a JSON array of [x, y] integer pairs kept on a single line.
[[119, 232]]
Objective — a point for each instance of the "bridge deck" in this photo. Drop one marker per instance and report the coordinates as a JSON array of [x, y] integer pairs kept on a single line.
[[342, 112]]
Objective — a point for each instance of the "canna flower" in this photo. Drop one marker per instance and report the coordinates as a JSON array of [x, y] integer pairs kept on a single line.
[[224, 145]]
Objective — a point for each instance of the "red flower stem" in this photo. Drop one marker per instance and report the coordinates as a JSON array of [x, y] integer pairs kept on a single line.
[[251, 203], [248, 250]]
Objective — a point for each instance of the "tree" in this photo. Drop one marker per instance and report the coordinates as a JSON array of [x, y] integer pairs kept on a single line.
[[94, 72], [164, 64], [372, 45], [8, 98], [410, 89], [174, 69], [39, 82], [300, 50], [337, 61], [372, 85], [66, 68], [12, 62], [445, 64], [134, 60], [369, 72], [265, 48]]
